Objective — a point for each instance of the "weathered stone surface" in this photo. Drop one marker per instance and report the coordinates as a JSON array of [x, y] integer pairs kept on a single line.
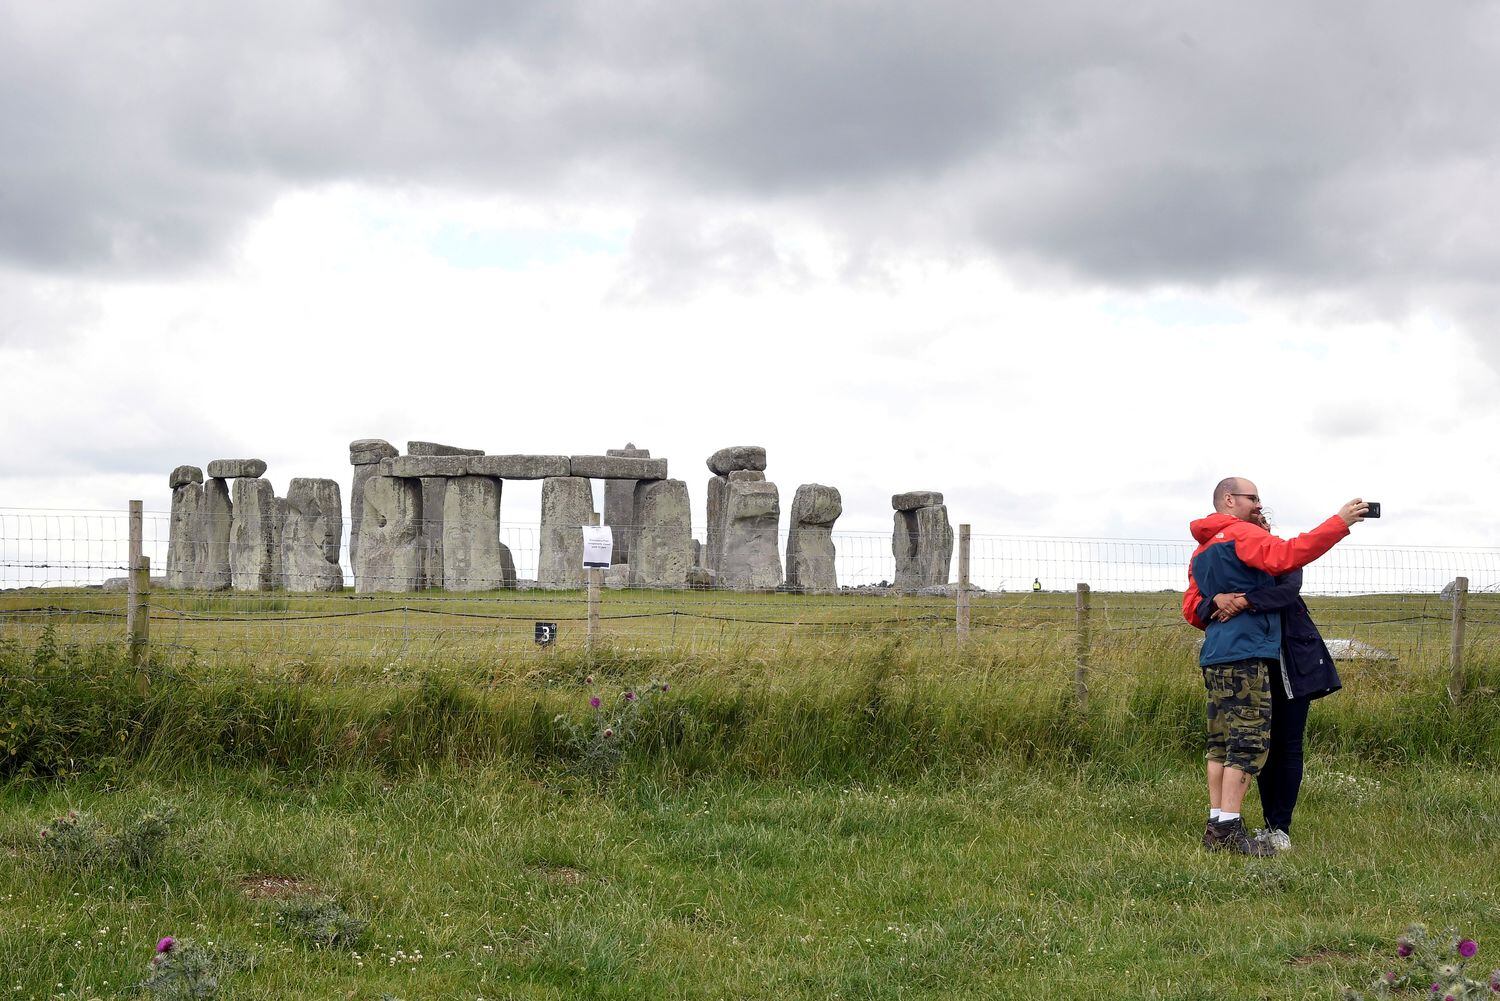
[[606, 467], [619, 502], [362, 472], [433, 448], [697, 553], [229, 469], [472, 554], [713, 548], [278, 551], [252, 536], [507, 568], [727, 460], [567, 505], [617, 576], [186, 537], [426, 466], [922, 543], [914, 499], [312, 535], [218, 523], [751, 559], [663, 546], [184, 475], [519, 467], [699, 577], [809, 543], [368, 451], [745, 476], [434, 497], [390, 537]]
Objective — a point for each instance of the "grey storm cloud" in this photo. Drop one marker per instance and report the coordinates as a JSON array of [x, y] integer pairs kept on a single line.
[[1345, 145]]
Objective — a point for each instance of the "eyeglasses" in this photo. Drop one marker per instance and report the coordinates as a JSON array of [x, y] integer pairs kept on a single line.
[[1252, 498]]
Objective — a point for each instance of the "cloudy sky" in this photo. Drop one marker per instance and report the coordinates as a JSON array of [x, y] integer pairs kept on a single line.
[[1068, 264]]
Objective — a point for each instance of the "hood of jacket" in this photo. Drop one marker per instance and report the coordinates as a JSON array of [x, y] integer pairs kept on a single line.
[[1204, 529]]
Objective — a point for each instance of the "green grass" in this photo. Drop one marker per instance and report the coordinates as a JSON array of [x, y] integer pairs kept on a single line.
[[1024, 881]]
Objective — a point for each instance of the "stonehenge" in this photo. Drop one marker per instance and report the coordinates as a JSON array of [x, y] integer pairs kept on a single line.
[[922, 540], [809, 539], [431, 518]]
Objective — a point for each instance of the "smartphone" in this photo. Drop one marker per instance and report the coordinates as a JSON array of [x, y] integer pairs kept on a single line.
[[1374, 511]]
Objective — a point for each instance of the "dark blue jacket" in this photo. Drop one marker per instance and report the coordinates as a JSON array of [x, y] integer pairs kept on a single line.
[[1307, 670]]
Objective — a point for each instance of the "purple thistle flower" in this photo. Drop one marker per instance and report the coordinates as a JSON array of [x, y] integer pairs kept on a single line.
[[594, 701], [166, 944], [630, 696], [609, 731], [1467, 947], [1403, 947], [664, 686], [588, 679], [1495, 981]]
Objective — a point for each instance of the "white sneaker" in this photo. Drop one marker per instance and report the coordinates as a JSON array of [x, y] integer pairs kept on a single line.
[[1277, 839]]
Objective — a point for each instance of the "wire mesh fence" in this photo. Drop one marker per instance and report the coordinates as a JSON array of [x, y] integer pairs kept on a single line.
[[1388, 610]]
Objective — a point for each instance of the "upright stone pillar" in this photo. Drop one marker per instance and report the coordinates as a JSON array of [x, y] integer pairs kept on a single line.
[[809, 541], [619, 504], [922, 540], [567, 505], [214, 572], [390, 536], [185, 536], [473, 558], [751, 560], [663, 539], [312, 536], [365, 455], [746, 462], [434, 489], [252, 537]]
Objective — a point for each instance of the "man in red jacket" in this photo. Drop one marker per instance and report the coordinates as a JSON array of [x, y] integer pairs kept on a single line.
[[1235, 555]]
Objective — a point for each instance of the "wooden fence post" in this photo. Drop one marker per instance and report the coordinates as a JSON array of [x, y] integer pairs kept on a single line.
[[595, 579], [140, 623], [962, 614], [1460, 612], [1081, 660], [132, 561]]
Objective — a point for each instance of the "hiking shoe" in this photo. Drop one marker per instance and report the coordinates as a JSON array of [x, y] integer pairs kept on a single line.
[[1233, 837], [1212, 837], [1278, 839]]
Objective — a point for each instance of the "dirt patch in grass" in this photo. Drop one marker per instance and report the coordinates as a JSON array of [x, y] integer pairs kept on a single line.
[[563, 875], [268, 886]]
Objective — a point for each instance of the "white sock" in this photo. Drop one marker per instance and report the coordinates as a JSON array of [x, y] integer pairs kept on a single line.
[[1225, 816], [1215, 815]]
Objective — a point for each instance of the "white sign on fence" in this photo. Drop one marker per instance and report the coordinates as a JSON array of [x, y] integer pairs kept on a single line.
[[598, 546]]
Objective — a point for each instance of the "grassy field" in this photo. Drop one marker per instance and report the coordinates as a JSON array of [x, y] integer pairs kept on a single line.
[[852, 807], [1024, 881]]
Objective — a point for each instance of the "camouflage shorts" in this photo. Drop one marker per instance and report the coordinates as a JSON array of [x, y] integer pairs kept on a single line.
[[1239, 713]]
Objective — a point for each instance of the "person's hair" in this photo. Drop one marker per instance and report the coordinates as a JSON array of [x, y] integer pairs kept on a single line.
[[1226, 485]]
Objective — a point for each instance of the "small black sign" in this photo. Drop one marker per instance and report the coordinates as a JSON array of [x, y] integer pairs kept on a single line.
[[546, 632]]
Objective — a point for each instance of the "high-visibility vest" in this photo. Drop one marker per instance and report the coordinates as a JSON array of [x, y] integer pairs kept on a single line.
[[1036, 585]]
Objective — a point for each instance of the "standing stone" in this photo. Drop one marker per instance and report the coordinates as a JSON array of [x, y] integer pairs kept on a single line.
[[472, 554], [390, 537], [663, 544], [312, 535], [278, 552], [922, 542], [218, 523], [252, 536], [718, 492], [185, 534], [619, 503], [727, 460], [508, 578], [365, 455], [434, 490], [567, 504], [809, 540], [183, 475], [751, 557]]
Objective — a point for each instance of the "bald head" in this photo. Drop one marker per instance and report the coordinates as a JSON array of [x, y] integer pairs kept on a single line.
[[1223, 493], [1238, 496]]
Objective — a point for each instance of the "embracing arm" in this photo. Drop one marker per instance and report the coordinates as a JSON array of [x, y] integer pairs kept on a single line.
[[1283, 594]]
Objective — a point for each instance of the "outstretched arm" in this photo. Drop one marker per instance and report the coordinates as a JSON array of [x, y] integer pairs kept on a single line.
[[1260, 549]]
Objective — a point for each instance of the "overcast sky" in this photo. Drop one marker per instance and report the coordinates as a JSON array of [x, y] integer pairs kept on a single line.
[[1068, 264]]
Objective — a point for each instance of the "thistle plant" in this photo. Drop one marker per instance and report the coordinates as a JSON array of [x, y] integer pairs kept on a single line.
[[321, 923], [1434, 966], [78, 841], [596, 746], [181, 969]]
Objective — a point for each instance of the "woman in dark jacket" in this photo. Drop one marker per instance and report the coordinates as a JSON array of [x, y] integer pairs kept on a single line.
[[1306, 673]]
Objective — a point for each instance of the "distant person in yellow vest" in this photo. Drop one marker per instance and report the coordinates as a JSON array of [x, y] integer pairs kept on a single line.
[[1036, 585]]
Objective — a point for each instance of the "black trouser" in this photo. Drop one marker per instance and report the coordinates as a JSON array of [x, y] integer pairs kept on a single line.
[[1281, 778]]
